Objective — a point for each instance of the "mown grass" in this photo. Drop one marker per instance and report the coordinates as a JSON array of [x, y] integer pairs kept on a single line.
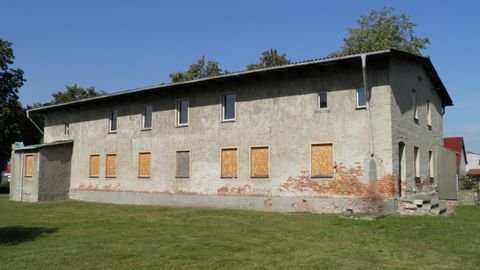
[[78, 235]]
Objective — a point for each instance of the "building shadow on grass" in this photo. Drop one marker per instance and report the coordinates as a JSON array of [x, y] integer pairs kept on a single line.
[[14, 235]]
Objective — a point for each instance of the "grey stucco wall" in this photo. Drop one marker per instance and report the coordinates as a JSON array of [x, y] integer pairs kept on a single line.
[[54, 172], [445, 173], [280, 111], [407, 75], [24, 188]]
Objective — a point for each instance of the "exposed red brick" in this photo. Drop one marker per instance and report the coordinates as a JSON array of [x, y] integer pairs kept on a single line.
[[344, 182]]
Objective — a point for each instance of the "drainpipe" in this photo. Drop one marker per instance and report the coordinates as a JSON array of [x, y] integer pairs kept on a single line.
[[367, 94], [33, 122]]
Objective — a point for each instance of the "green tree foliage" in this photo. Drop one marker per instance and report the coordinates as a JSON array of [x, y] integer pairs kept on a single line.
[[198, 70], [74, 92], [380, 30], [10, 109], [270, 58]]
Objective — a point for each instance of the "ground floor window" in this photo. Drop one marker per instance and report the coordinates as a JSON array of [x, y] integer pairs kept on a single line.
[[322, 160], [28, 166], [111, 165], [144, 160], [259, 162], [182, 167], [94, 165], [229, 162]]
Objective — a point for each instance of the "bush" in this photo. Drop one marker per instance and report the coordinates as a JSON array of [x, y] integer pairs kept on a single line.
[[467, 182], [5, 188]]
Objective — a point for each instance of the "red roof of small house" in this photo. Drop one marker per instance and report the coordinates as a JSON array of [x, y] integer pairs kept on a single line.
[[456, 144], [473, 172]]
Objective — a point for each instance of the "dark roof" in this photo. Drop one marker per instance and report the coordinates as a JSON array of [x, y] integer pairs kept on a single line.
[[446, 100], [456, 144], [473, 172]]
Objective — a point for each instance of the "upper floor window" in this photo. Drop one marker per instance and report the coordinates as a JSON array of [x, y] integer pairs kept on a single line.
[[415, 106], [361, 97], [112, 121], [228, 107], [429, 114], [147, 117], [322, 100], [182, 112], [66, 129]]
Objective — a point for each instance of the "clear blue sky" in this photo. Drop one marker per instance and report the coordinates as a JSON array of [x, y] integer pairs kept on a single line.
[[118, 45]]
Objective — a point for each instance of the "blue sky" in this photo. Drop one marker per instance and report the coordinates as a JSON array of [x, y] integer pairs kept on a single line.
[[118, 45]]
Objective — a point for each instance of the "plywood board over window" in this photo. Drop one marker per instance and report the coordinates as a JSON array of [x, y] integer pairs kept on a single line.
[[144, 160], [322, 160], [28, 166], [229, 162], [259, 162], [111, 165], [94, 165]]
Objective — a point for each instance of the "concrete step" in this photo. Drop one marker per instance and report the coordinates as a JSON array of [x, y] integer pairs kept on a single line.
[[438, 211], [429, 206]]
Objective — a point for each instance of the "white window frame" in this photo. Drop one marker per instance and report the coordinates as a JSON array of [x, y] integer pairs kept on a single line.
[[415, 106], [416, 162], [178, 111], [110, 113], [143, 117], [234, 109], [429, 114], [430, 164], [66, 129], [320, 100], [357, 94]]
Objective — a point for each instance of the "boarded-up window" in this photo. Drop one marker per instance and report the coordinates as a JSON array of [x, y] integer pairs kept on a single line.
[[28, 166], [182, 164], [94, 165], [111, 165], [144, 160], [259, 162], [229, 162], [322, 160]]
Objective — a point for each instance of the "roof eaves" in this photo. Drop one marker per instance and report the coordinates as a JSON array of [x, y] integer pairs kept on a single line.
[[230, 75]]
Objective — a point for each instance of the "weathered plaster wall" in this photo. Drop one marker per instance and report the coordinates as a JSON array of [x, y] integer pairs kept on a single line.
[[279, 111], [24, 188], [406, 76], [54, 172]]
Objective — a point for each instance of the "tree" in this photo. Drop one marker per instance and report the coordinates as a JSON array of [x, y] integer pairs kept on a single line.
[[74, 92], [198, 70], [270, 58], [380, 30], [10, 109]]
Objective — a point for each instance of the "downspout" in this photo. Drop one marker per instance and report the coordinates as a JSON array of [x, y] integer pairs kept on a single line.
[[367, 94], [33, 122]]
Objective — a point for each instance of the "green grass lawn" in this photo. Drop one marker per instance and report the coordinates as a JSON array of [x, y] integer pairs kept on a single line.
[[78, 235]]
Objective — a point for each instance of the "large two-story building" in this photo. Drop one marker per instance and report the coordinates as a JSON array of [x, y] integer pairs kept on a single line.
[[321, 135]]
